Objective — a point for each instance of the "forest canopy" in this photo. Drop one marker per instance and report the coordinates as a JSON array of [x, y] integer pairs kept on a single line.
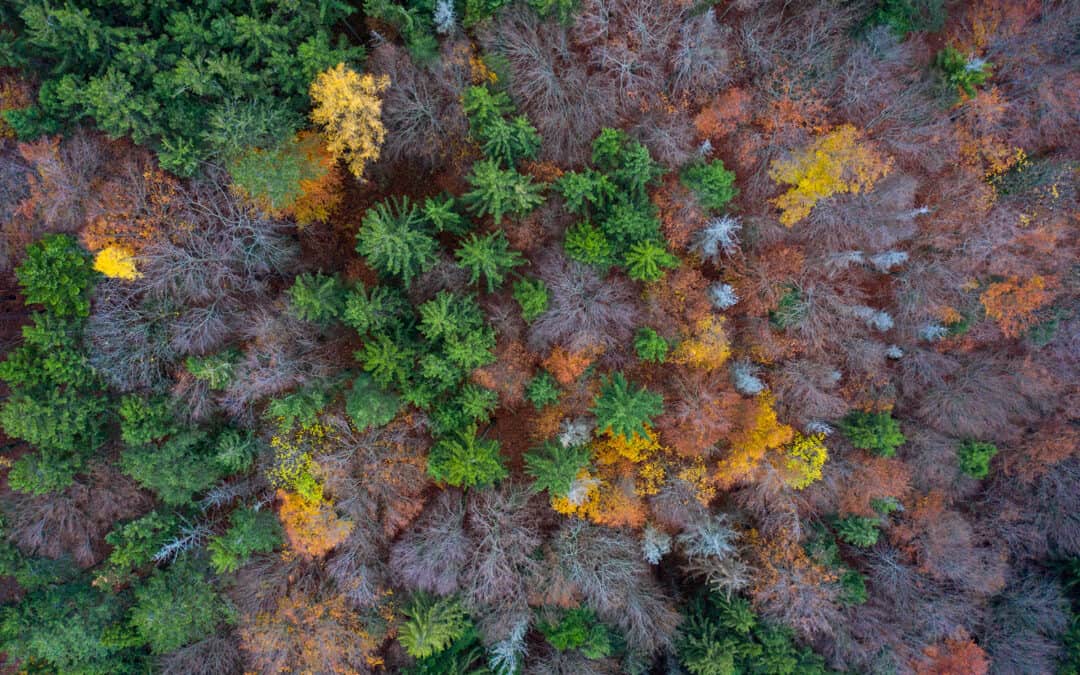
[[518, 337]]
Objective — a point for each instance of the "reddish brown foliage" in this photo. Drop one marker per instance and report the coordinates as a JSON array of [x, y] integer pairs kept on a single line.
[[679, 301], [680, 217], [567, 366], [309, 635], [873, 478], [724, 114], [958, 655], [699, 413]]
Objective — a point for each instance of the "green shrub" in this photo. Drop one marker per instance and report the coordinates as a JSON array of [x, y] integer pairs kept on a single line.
[[43, 472], [877, 432], [790, 309], [489, 256], [369, 405], [650, 346], [249, 532], [431, 624], [510, 141], [378, 310], [395, 239], [711, 183], [962, 72], [561, 10], [554, 467], [175, 607], [648, 260], [586, 244], [542, 390], [442, 215], [55, 419], [498, 192], [472, 404], [909, 16], [302, 407], [626, 161], [579, 628], [58, 275], [216, 370], [463, 460], [628, 224], [853, 588], [974, 457], [721, 636], [587, 191], [533, 296], [624, 410], [176, 469], [317, 298], [503, 140], [134, 545], [858, 530], [144, 420], [235, 450]]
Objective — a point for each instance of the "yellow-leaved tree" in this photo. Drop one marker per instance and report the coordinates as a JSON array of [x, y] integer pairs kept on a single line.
[[833, 164], [800, 461], [116, 262], [760, 431], [707, 349], [348, 107]]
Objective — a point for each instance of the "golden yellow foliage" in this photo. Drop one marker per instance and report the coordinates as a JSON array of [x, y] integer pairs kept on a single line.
[[833, 164], [116, 262], [708, 349], [801, 461], [348, 107], [762, 433], [650, 478], [312, 528], [582, 498], [697, 474], [610, 448]]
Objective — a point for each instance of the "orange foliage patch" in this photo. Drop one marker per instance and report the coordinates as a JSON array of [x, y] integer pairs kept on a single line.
[[724, 114], [680, 300], [510, 374], [984, 135], [680, 216], [135, 209], [566, 366], [313, 529], [1054, 442], [959, 655], [793, 112], [1012, 303], [303, 635], [873, 478], [321, 194], [758, 432]]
